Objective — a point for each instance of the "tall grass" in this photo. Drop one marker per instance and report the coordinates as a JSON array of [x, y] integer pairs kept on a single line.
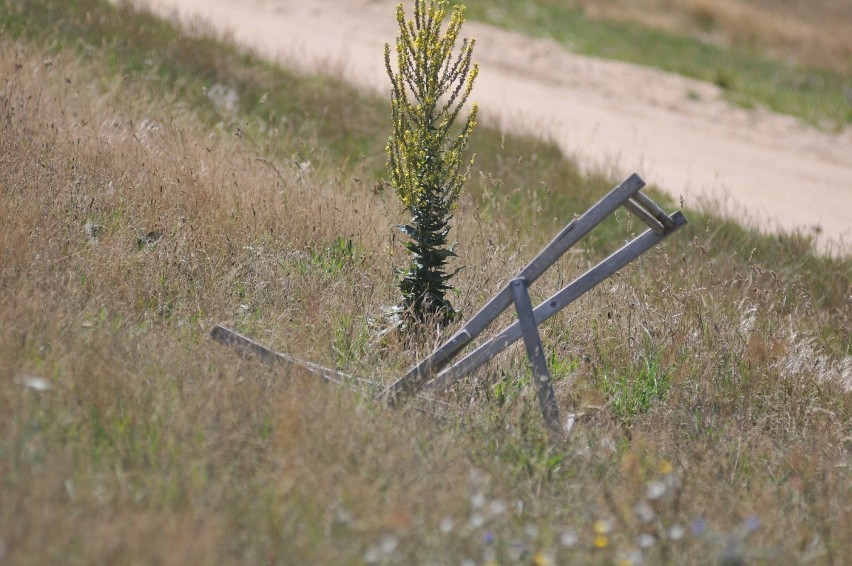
[[142, 203]]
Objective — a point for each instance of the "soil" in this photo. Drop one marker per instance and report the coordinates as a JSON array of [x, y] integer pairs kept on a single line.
[[679, 134]]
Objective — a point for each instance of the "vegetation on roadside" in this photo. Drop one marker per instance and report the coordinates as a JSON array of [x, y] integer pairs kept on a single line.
[[683, 37], [426, 162], [154, 183]]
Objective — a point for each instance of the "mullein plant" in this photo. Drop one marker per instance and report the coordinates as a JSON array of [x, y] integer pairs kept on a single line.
[[425, 163]]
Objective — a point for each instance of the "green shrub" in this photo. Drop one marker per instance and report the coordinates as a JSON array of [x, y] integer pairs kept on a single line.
[[425, 163]]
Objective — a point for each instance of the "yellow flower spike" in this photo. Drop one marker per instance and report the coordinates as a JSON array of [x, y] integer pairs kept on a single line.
[[665, 467], [425, 162], [601, 541]]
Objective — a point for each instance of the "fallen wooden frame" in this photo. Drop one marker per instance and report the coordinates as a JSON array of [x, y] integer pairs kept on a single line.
[[432, 374], [429, 373]]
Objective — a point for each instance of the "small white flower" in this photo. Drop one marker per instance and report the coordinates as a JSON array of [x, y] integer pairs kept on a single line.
[[372, 555], [635, 558], [676, 532], [569, 538], [446, 525], [644, 512], [477, 520], [388, 545], [497, 507], [645, 540], [655, 490], [33, 382], [569, 424], [477, 500]]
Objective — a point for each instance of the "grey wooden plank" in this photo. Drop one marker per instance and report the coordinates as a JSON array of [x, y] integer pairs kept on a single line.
[[570, 235], [577, 229], [247, 346], [535, 353], [652, 207], [644, 216], [554, 304]]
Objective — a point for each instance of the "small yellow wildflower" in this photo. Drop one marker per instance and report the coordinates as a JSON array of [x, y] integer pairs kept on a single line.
[[601, 527]]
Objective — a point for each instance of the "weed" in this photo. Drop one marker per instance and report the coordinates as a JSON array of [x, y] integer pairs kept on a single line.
[[426, 165]]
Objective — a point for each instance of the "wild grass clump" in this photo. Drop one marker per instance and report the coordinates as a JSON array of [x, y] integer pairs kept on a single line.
[[711, 378]]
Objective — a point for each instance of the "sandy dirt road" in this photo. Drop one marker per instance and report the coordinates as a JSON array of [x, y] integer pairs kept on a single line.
[[677, 133]]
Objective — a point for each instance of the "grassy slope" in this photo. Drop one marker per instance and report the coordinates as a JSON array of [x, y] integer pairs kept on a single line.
[[718, 355], [748, 77]]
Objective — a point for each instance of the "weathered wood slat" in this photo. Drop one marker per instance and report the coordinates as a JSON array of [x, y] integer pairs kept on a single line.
[[554, 304], [535, 352], [570, 235], [644, 216], [654, 209], [248, 346]]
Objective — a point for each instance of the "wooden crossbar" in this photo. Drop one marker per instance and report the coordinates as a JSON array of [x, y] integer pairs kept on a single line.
[[645, 216], [553, 305], [655, 210], [570, 235]]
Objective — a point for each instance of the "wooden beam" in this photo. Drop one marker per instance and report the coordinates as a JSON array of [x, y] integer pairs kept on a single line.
[[570, 235], [644, 216], [655, 210], [535, 353], [248, 347], [554, 304]]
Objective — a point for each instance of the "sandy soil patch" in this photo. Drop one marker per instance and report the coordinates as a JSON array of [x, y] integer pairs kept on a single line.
[[677, 133]]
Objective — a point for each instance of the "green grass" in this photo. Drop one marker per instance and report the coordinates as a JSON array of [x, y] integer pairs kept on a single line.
[[632, 391], [747, 77]]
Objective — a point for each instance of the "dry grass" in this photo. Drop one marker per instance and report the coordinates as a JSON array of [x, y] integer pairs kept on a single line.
[[810, 32], [714, 384]]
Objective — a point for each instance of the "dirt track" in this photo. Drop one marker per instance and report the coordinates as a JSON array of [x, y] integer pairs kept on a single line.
[[677, 133]]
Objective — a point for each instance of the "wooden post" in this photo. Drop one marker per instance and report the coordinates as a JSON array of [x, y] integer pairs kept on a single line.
[[535, 352]]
